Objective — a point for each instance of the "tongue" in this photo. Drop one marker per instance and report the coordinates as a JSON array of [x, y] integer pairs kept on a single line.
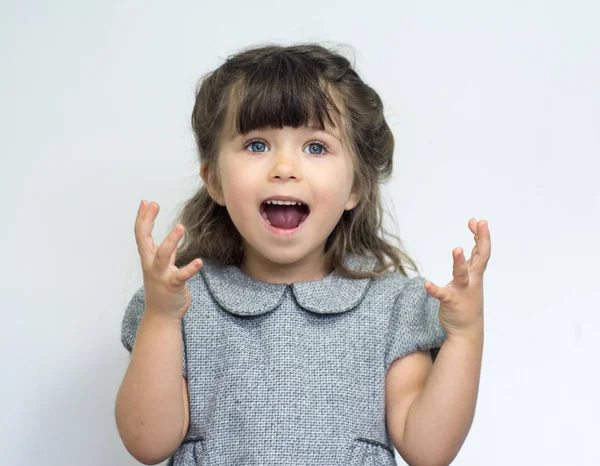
[[284, 216]]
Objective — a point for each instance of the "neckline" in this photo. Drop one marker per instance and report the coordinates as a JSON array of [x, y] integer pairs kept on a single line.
[[243, 295]]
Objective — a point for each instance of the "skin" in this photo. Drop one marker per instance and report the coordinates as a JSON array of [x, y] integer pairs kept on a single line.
[[153, 418], [287, 161], [152, 406], [430, 408]]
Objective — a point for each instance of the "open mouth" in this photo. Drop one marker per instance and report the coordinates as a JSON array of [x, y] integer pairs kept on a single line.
[[284, 214]]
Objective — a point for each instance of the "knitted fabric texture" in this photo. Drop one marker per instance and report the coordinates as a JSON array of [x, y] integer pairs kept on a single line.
[[294, 374]]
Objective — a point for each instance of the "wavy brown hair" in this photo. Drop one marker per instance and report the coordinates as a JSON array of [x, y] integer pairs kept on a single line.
[[276, 86]]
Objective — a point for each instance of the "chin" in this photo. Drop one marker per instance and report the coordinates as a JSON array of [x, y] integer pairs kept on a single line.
[[283, 255]]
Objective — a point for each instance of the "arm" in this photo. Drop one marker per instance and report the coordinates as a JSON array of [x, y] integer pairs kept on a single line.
[[152, 407], [431, 408], [432, 425]]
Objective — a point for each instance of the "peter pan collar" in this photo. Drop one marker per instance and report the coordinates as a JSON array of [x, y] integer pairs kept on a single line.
[[244, 296]]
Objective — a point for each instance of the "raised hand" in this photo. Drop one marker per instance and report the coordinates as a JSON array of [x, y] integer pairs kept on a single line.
[[165, 285], [461, 300]]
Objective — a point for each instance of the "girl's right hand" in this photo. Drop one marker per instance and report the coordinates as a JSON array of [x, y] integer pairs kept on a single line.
[[165, 286]]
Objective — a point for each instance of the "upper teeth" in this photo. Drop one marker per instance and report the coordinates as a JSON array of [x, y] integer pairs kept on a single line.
[[283, 202]]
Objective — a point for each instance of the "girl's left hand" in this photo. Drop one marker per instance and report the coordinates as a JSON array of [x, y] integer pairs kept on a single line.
[[461, 300]]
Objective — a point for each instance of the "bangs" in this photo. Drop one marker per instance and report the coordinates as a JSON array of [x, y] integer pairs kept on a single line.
[[281, 91]]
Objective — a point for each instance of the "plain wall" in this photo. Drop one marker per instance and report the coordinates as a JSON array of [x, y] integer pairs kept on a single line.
[[495, 111]]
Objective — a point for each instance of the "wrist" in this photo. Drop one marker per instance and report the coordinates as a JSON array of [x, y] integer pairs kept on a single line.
[[155, 317], [471, 334]]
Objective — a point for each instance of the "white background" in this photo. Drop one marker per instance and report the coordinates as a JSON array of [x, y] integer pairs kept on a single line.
[[495, 107]]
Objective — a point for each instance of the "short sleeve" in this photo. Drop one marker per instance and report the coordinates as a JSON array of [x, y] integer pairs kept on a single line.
[[414, 323], [131, 321]]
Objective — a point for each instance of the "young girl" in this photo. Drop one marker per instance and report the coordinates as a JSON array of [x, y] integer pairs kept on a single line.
[[302, 341]]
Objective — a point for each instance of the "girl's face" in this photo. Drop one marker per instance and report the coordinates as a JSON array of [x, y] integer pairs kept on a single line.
[[285, 243]]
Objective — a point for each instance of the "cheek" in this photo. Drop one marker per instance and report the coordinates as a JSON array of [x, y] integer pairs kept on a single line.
[[239, 192], [334, 184]]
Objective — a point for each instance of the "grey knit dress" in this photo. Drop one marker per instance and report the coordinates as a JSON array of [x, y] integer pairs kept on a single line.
[[294, 374]]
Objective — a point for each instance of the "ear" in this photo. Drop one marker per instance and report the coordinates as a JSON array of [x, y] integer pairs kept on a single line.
[[352, 199], [208, 177]]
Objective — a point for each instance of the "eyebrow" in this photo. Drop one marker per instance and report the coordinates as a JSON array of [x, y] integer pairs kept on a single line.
[[316, 128]]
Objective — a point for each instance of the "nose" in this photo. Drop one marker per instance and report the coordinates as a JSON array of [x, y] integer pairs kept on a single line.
[[285, 166]]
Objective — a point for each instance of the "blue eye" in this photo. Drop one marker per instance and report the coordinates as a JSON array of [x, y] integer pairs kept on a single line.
[[256, 146], [316, 148]]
